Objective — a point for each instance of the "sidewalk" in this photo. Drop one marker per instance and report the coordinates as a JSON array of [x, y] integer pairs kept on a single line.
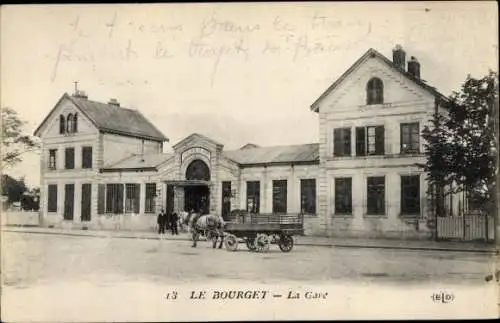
[[299, 240]]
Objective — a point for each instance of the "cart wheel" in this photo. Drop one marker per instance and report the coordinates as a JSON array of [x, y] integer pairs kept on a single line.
[[231, 242], [262, 242], [285, 243], [250, 243]]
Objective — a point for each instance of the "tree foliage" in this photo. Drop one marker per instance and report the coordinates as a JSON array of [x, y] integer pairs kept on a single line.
[[15, 141], [461, 144]]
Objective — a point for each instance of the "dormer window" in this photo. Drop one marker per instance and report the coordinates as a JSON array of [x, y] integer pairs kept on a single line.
[[62, 124], [374, 91]]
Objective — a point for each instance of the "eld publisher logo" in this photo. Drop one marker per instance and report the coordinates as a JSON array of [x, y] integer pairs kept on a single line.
[[442, 297]]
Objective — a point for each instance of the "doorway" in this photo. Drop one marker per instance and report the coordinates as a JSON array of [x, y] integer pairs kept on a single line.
[[170, 199], [226, 200], [197, 198]]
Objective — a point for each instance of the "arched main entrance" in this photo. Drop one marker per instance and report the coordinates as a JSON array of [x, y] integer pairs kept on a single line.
[[197, 194]]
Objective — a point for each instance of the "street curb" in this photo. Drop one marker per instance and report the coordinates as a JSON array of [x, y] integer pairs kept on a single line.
[[309, 244]]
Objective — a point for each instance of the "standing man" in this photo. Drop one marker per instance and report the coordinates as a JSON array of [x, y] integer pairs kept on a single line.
[[173, 223], [161, 223]]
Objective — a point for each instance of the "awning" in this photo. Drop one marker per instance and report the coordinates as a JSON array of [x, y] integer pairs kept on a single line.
[[184, 183]]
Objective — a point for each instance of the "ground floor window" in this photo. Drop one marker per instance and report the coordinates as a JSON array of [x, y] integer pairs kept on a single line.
[[253, 196], [375, 187], [114, 198], [410, 195], [279, 196], [308, 196], [52, 198], [150, 202], [343, 195], [132, 198]]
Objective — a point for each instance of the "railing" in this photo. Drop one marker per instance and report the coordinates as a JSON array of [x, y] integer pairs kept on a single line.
[[467, 227], [267, 218]]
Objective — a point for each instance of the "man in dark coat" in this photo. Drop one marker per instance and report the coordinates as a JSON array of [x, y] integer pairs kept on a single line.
[[161, 223], [173, 223]]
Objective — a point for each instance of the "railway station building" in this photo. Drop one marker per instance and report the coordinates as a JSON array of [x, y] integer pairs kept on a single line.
[[103, 165]]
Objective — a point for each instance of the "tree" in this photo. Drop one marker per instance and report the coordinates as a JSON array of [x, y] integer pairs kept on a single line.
[[461, 146], [14, 141], [13, 188], [438, 165]]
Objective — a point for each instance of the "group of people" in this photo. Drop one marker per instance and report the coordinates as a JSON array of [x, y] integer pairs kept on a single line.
[[168, 221]]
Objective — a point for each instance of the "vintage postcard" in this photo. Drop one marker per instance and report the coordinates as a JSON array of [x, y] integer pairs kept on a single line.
[[249, 161]]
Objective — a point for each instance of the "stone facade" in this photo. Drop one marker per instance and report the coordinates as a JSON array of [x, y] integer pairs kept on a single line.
[[124, 159]]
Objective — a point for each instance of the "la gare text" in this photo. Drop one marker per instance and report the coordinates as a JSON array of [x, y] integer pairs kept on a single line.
[[247, 294]]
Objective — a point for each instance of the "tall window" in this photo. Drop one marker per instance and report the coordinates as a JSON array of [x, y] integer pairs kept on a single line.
[[410, 195], [343, 196], [132, 198], [114, 198], [52, 198], [69, 123], [410, 138], [370, 140], [62, 124], [342, 142], [150, 202], [69, 158], [52, 158], [253, 196], [375, 187], [101, 198], [374, 91], [87, 157], [279, 196], [308, 196]]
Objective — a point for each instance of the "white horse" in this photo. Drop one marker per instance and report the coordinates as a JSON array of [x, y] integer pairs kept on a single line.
[[209, 225]]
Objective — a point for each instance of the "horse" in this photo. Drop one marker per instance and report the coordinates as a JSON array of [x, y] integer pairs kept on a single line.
[[210, 225]]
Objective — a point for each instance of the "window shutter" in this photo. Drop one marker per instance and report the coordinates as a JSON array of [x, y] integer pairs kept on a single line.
[[75, 122], [62, 124], [379, 140], [360, 141], [337, 145], [100, 198]]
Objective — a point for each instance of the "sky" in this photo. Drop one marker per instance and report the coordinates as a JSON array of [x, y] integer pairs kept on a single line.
[[237, 73]]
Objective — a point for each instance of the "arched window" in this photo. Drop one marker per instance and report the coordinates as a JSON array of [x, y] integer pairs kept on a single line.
[[375, 91], [198, 170], [69, 123], [75, 122], [62, 124]]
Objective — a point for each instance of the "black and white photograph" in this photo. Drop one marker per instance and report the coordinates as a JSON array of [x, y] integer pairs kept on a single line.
[[249, 161]]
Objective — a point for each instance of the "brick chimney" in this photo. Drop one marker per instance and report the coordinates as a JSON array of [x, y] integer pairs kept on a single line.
[[80, 94], [414, 67], [399, 57], [114, 102]]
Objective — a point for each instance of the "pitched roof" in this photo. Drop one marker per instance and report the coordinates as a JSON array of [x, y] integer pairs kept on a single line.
[[277, 154], [113, 119], [198, 135], [369, 54], [138, 161]]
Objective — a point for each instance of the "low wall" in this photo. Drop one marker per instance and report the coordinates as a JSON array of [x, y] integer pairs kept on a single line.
[[122, 222], [20, 218], [368, 227]]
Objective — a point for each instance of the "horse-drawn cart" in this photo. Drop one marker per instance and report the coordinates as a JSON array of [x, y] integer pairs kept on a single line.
[[259, 231]]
